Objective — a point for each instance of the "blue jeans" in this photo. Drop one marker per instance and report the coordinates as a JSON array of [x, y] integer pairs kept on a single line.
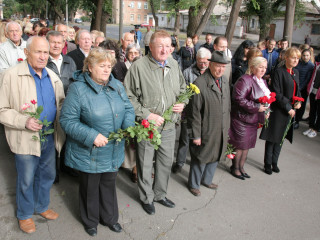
[[35, 176]]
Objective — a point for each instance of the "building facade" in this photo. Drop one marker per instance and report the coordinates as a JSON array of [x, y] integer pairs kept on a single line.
[[134, 11]]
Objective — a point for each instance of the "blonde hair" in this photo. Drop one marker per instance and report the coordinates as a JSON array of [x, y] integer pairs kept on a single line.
[[255, 62], [191, 45], [253, 53], [96, 56], [71, 30], [290, 52]]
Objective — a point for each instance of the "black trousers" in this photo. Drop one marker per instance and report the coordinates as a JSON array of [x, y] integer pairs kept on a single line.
[[271, 153], [314, 114], [98, 199]]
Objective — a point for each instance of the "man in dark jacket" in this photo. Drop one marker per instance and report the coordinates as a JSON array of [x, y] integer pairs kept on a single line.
[[208, 43], [209, 120], [190, 75]]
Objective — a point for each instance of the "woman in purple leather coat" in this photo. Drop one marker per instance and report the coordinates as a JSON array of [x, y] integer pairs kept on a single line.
[[247, 113]]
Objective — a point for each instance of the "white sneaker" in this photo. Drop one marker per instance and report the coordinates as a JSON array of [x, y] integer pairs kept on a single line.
[[312, 134], [307, 132]]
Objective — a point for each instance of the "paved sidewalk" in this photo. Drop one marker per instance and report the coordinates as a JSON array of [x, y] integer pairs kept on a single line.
[[278, 207]]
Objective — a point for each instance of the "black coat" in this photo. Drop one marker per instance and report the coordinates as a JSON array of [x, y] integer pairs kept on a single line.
[[119, 71], [68, 67], [78, 57], [186, 58], [282, 84]]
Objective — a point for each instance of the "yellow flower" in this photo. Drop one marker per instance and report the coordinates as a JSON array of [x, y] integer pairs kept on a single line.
[[194, 88]]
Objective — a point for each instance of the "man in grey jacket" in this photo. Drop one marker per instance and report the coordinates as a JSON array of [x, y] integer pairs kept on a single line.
[[153, 84], [190, 75]]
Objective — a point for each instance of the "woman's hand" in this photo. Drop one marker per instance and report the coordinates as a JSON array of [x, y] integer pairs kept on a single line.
[[292, 113], [100, 140], [297, 105], [262, 108]]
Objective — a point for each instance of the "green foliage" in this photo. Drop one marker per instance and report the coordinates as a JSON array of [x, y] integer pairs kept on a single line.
[[85, 19]]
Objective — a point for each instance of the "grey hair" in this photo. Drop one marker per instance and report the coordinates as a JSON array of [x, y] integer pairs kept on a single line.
[[133, 45], [53, 33], [124, 34], [30, 40], [255, 62], [56, 27], [78, 35], [203, 53], [13, 23]]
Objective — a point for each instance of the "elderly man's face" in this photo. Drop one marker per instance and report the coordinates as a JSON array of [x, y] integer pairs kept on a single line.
[[56, 45], [38, 53], [217, 69], [160, 48], [127, 40], [85, 41], [202, 63], [14, 33], [64, 30]]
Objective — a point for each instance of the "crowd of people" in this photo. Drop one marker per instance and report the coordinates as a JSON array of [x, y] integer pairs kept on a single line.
[[77, 87]]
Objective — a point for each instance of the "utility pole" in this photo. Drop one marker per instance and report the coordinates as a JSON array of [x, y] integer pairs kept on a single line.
[[67, 23], [288, 21], [121, 20], [47, 9]]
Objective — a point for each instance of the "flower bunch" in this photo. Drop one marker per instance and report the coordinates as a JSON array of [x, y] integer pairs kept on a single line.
[[266, 101], [295, 100], [142, 131], [44, 131], [190, 91], [20, 60], [230, 153]]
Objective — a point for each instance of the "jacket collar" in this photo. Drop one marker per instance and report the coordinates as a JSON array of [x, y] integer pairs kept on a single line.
[[154, 65], [96, 87]]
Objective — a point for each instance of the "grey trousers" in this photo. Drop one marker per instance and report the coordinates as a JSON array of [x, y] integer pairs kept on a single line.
[[163, 163], [201, 173]]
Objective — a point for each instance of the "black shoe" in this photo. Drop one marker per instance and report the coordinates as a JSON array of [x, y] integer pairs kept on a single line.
[[275, 169], [116, 228], [235, 175], [176, 168], [267, 169], [296, 125], [166, 202], [245, 175], [91, 231], [149, 208]]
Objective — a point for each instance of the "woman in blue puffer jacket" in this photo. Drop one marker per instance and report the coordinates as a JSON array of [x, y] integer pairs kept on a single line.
[[96, 105]]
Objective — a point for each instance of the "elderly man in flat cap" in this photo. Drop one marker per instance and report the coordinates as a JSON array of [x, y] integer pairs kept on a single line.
[[209, 121]]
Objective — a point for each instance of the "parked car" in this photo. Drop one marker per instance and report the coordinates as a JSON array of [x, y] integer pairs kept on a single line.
[[145, 25], [77, 20], [33, 20]]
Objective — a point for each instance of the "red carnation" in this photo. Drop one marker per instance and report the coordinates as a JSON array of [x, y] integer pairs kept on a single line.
[[297, 99], [145, 123], [33, 102], [150, 134], [20, 59]]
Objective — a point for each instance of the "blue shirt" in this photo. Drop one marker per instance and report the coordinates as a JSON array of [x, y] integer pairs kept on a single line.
[[45, 95], [138, 35], [160, 64]]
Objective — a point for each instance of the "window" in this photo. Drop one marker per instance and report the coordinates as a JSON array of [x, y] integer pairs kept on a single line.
[[139, 5], [252, 23], [139, 18], [145, 5], [131, 17], [145, 18], [132, 4], [315, 29], [162, 19]]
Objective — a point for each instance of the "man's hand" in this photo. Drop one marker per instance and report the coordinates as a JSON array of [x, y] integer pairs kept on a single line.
[[292, 113], [33, 125], [178, 108], [100, 140], [158, 119], [197, 142]]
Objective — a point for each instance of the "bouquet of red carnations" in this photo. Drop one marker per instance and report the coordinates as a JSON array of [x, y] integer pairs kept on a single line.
[[266, 101], [142, 131]]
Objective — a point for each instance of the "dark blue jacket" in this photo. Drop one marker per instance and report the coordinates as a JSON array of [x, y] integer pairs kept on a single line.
[[305, 71], [275, 55], [90, 109]]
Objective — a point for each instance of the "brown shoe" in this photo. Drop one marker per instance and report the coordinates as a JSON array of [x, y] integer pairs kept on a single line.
[[211, 186], [50, 214], [27, 225], [195, 192]]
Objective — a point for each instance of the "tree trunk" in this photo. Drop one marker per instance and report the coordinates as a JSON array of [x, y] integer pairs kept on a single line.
[[233, 20], [288, 22], [206, 17], [96, 15], [177, 18], [58, 12], [103, 26], [156, 20], [71, 15]]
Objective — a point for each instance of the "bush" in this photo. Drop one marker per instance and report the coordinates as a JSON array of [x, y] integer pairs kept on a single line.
[[86, 19]]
